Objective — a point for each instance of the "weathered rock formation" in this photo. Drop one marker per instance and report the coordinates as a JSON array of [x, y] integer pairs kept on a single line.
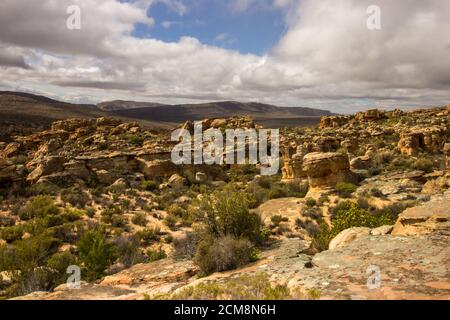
[[325, 170], [293, 163], [430, 140], [370, 115], [333, 121], [431, 217]]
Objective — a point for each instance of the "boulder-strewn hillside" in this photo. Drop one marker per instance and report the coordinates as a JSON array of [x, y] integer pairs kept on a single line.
[[356, 195]]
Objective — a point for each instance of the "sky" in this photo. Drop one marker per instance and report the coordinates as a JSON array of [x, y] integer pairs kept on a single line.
[[307, 53]]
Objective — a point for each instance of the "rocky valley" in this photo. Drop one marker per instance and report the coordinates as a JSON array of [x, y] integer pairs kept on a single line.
[[359, 210]]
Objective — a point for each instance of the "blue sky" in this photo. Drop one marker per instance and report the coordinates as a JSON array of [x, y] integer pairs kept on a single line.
[[217, 23]]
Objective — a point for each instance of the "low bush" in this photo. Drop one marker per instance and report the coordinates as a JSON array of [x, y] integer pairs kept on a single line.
[[310, 202], [25, 263], [348, 215], [139, 219], [76, 197], [127, 250], [423, 164], [96, 253], [185, 247], [277, 220], [11, 234], [148, 235], [60, 262], [346, 189], [245, 287], [40, 207], [149, 185], [224, 253], [155, 255], [226, 212], [171, 222]]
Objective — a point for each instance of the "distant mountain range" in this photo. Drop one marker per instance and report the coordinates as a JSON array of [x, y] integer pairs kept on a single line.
[[24, 112], [262, 113]]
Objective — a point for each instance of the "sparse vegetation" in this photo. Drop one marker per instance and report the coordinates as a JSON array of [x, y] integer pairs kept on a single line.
[[155, 255], [345, 190], [246, 287]]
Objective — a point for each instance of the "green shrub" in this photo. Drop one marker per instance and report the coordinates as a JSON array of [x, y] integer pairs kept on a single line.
[[321, 237], [76, 197], [423, 164], [290, 189], [155, 255], [139, 219], [310, 202], [314, 213], [90, 212], [323, 199], [11, 234], [117, 189], [346, 189], [225, 253], [277, 220], [40, 207], [60, 262], [149, 185], [95, 252], [7, 221], [278, 191], [109, 213], [171, 222], [25, 263], [175, 210], [134, 139], [226, 212], [184, 216], [148, 235], [73, 214], [118, 221], [348, 215]]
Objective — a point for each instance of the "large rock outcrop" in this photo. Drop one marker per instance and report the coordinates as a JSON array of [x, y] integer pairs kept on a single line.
[[431, 217], [430, 139], [325, 170]]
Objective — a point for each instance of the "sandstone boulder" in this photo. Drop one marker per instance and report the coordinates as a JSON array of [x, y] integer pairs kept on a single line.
[[431, 217], [77, 169], [48, 166], [325, 170], [157, 168], [175, 182], [333, 121], [347, 236], [8, 170], [11, 150], [370, 115]]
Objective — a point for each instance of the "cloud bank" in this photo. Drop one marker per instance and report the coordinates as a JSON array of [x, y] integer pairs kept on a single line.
[[327, 58]]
